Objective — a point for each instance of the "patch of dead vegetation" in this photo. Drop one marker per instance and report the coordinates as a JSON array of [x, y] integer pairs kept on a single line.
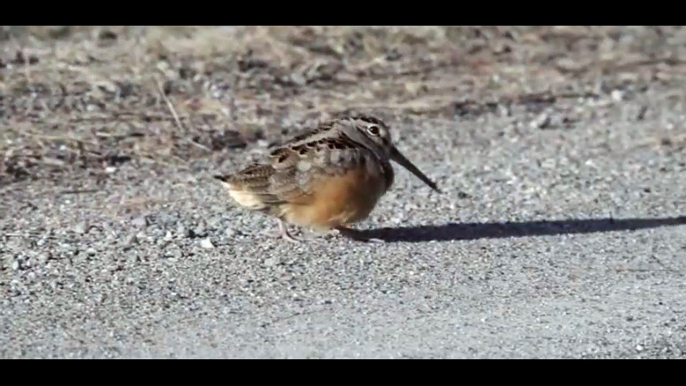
[[91, 98]]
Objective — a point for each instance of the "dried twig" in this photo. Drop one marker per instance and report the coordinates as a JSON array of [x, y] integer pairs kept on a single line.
[[172, 110], [170, 106]]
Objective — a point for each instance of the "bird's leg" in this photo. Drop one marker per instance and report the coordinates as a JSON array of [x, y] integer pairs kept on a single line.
[[356, 235], [285, 234], [271, 233], [282, 233]]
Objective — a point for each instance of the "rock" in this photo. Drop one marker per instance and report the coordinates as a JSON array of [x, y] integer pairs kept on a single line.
[[173, 252], [180, 231], [140, 222], [617, 95], [141, 236], [542, 121], [44, 257], [200, 230], [213, 222], [81, 228], [206, 243], [130, 241]]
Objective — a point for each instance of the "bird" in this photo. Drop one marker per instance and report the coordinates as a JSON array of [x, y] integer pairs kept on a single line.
[[326, 179]]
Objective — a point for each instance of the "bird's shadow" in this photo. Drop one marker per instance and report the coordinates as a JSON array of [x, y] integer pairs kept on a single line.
[[494, 230]]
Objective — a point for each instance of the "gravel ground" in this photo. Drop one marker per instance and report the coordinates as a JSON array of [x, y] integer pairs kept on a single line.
[[547, 243], [561, 233]]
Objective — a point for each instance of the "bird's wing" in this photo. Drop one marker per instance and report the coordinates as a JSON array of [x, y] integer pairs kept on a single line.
[[291, 171]]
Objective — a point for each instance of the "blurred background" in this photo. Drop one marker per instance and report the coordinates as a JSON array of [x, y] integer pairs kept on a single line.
[[93, 97]]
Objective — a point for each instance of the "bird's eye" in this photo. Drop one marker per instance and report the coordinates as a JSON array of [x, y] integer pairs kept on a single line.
[[373, 130]]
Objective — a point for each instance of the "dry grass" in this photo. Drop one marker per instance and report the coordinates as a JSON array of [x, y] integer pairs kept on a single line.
[[92, 97]]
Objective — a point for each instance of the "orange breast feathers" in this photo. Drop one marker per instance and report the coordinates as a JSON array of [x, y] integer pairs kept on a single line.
[[337, 200]]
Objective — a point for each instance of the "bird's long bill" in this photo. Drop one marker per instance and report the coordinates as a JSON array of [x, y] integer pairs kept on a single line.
[[398, 157]]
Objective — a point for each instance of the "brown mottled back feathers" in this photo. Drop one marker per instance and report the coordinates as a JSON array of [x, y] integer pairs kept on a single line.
[[291, 169]]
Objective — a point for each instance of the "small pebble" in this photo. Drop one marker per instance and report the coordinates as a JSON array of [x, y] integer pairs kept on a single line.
[[298, 79], [43, 258], [141, 236], [140, 221], [617, 95], [180, 230], [130, 240], [80, 228], [173, 252], [213, 222], [206, 243], [541, 122], [199, 231]]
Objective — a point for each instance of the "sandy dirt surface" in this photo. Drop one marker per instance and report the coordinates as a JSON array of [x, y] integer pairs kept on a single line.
[[561, 232]]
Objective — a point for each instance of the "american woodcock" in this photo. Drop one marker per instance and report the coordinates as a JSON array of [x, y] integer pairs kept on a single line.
[[326, 179]]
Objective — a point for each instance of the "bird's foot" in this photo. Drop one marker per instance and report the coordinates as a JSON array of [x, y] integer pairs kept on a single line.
[[284, 234]]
